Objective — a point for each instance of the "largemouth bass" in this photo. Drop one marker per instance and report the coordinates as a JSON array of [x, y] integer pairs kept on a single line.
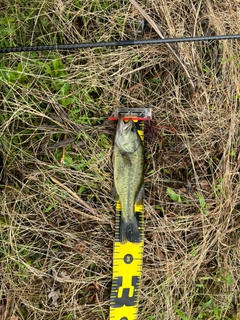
[[128, 161]]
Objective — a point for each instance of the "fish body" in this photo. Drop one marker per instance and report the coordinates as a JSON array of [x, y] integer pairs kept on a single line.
[[128, 160]]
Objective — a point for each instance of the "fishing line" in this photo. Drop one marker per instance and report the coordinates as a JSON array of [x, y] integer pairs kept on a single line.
[[123, 43]]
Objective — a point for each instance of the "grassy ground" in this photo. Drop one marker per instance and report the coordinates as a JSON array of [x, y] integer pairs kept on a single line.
[[57, 214]]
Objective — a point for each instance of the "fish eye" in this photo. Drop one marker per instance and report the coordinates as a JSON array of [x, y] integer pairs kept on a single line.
[[133, 129]]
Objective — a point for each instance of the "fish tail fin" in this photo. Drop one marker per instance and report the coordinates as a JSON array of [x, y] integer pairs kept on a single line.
[[129, 231]]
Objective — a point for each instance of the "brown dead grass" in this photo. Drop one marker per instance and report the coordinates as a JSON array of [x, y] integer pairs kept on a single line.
[[56, 252]]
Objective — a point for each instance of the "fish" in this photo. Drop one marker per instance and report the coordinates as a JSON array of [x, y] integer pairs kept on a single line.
[[128, 163]]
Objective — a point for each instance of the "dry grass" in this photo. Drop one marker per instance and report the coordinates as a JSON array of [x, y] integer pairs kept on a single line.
[[57, 215]]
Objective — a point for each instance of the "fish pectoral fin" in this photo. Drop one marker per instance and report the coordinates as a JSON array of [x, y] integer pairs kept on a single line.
[[129, 231], [115, 194], [127, 161], [140, 196]]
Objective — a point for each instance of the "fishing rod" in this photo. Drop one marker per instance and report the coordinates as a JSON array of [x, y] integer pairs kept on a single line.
[[123, 43]]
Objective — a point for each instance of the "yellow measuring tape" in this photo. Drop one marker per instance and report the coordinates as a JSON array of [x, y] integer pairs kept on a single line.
[[127, 265]]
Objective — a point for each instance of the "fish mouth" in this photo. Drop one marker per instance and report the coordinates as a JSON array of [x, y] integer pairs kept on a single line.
[[128, 124], [124, 125]]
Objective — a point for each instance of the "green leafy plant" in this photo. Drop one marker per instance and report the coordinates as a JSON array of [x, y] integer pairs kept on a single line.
[[181, 315], [173, 195], [203, 205]]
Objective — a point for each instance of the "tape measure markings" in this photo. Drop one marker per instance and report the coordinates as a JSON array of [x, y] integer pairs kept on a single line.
[[127, 265]]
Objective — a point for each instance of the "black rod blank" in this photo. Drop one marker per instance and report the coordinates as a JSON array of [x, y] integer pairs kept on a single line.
[[123, 43]]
